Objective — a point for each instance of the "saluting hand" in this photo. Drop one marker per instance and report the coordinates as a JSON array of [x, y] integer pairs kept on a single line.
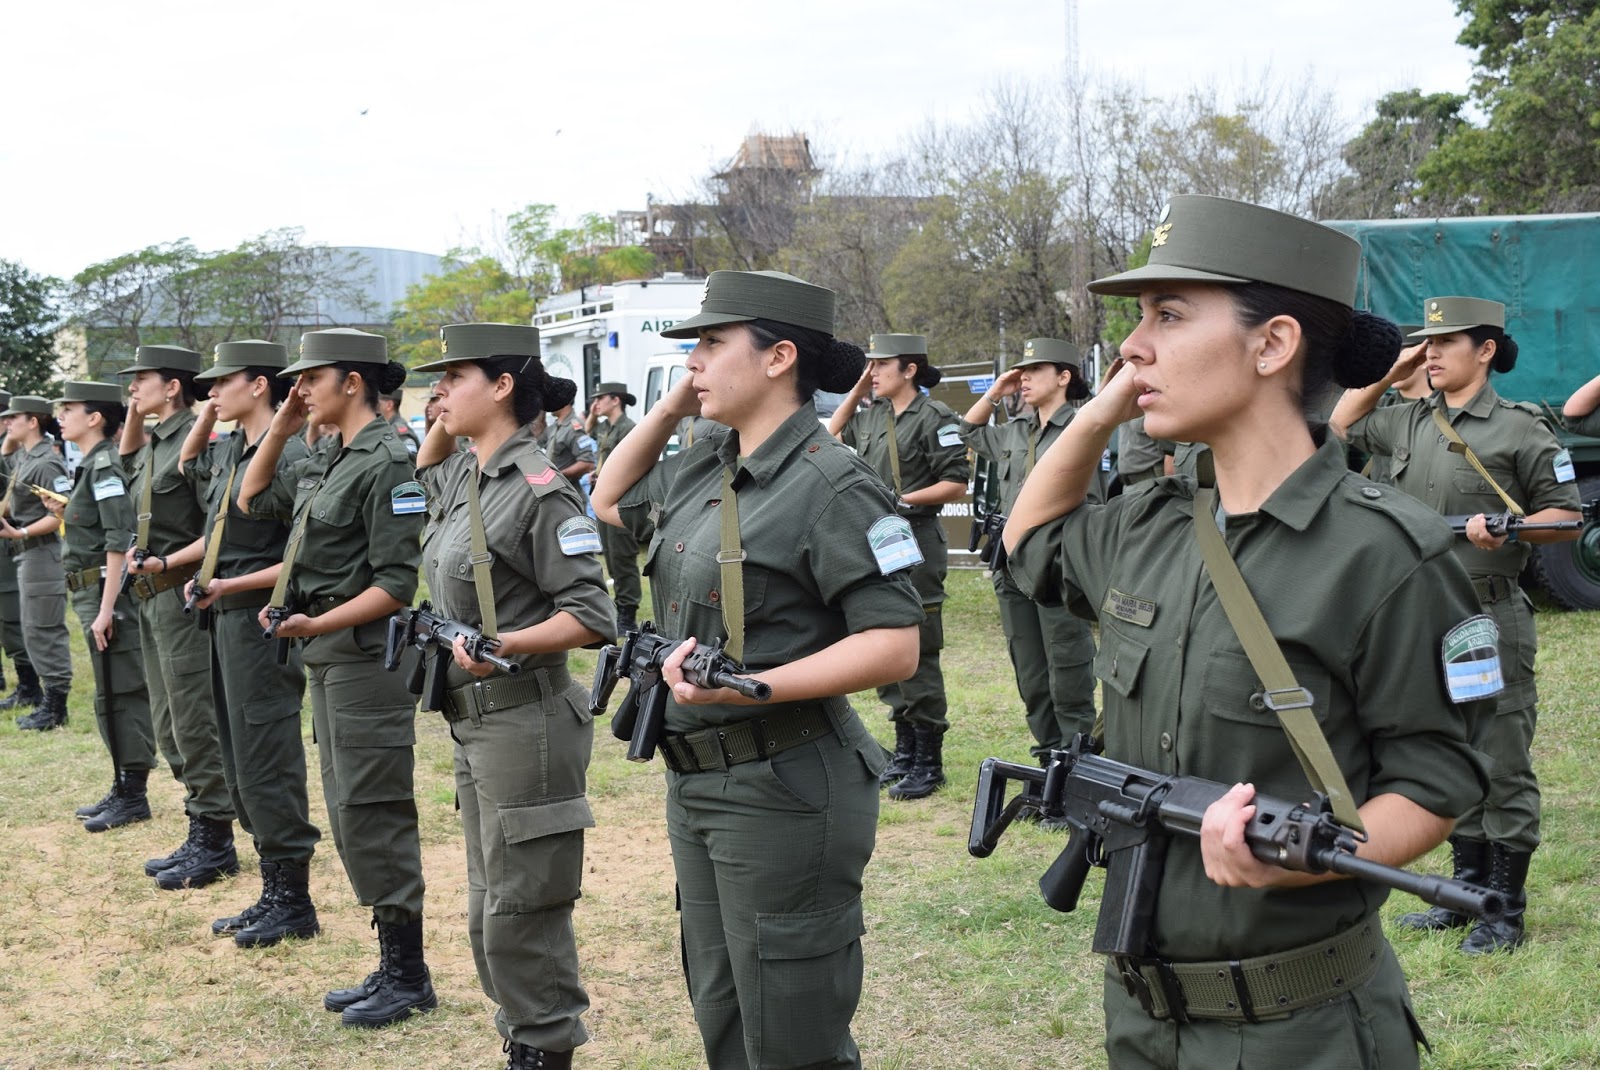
[[1407, 363], [290, 419], [682, 400], [1118, 399], [1006, 385]]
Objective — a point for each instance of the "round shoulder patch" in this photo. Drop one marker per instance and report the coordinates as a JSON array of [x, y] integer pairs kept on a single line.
[[1471, 655], [578, 535], [893, 545]]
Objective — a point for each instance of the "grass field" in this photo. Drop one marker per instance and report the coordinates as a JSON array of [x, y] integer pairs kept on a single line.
[[966, 966]]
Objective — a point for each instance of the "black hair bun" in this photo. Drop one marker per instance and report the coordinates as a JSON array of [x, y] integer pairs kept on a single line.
[[927, 375], [1369, 351], [840, 366], [559, 392], [392, 378], [1505, 354]]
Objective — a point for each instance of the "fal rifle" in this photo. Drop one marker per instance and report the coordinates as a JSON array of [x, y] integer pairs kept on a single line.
[[276, 615], [639, 659], [989, 526], [1123, 818], [435, 637], [134, 555], [192, 607]]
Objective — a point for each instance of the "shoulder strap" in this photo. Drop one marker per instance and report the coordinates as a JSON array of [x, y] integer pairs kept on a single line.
[[894, 451], [291, 549], [731, 562], [1459, 445], [208, 566], [481, 557], [1284, 696], [146, 498]]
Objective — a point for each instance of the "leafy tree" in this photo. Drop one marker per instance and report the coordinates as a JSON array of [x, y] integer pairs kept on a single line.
[[139, 298], [28, 322], [1385, 158], [474, 289], [275, 284]]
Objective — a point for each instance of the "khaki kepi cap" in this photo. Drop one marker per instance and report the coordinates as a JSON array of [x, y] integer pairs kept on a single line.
[[1213, 239], [1447, 315], [889, 346], [30, 405], [164, 359], [83, 390], [249, 353], [1047, 351], [337, 345], [742, 296], [481, 341]]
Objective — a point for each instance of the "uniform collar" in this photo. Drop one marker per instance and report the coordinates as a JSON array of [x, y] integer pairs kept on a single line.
[[1299, 498], [918, 399], [764, 463], [1481, 405], [505, 456], [173, 423], [368, 437], [40, 448], [1062, 414]]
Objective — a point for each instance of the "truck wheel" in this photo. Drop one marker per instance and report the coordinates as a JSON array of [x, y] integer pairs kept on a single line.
[[1570, 571]]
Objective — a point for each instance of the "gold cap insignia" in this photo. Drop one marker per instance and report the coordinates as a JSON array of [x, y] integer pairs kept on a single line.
[[1159, 238], [1435, 316], [1027, 351]]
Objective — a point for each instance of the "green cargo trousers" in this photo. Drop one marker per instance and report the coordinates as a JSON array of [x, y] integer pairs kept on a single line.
[[11, 612], [126, 711], [1510, 814], [1372, 1026], [520, 780], [919, 699], [258, 725], [177, 670], [364, 722], [43, 584], [621, 551], [1052, 652], [769, 856]]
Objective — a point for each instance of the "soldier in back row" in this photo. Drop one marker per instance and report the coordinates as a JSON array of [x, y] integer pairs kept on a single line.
[[608, 423]]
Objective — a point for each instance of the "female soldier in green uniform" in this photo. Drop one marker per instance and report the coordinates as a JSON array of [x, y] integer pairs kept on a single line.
[[257, 699], [350, 562], [1052, 650], [914, 444], [772, 810], [27, 693], [1514, 463], [33, 539], [610, 404], [99, 526], [169, 514], [1245, 315], [522, 742]]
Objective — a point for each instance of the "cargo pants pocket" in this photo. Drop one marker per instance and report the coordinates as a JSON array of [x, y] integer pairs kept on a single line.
[[541, 856], [810, 984]]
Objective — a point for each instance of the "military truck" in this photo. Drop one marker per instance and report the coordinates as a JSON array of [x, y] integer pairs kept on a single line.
[[1546, 268]]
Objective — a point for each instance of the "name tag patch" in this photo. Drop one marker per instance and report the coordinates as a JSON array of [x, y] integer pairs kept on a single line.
[[408, 498], [578, 536], [109, 487], [1471, 656], [893, 545], [1129, 607], [1563, 466], [950, 435]]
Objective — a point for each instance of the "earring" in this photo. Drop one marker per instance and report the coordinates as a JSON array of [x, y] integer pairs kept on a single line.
[[1262, 365], [352, 393]]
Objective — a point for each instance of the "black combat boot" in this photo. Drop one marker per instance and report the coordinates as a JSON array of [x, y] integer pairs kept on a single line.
[[927, 768], [1469, 861], [626, 622], [905, 748], [247, 917], [211, 859], [27, 695], [522, 1057], [405, 986], [154, 866], [50, 713], [1508, 875], [88, 810], [129, 805], [340, 998], [288, 912]]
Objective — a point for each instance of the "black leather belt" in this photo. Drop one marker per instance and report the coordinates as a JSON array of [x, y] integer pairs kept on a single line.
[[77, 581], [1494, 588], [760, 737]]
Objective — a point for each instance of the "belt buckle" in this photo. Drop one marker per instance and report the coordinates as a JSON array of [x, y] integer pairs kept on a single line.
[[1134, 981]]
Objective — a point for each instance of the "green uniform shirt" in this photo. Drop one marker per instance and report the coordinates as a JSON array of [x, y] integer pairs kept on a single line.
[[42, 466], [402, 430], [543, 544], [99, 512], [366, 517], [1009, 444], [806, 506], [607, 435], [254, 541], [568, 443], [1513, 443], [1584, 425], [177, 504], [927, 437], [1359, 587], [1139, 456]]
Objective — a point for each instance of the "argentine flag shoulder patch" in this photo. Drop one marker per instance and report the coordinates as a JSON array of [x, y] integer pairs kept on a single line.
[[950, 435], [108, 487], [578, 535], [893, 545], [1562, 463], [407, 498], [1470, 653]]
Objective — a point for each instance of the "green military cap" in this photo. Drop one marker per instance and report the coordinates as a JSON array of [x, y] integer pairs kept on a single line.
[[1408, 329], [337, 344], [81, 390], [163, 359], [742, 296], [1047, 351], [5, 398], [249, 353], [1447, 315], [619, 389], [1213, 239], [480, 341], [30, 404], [887, 346]]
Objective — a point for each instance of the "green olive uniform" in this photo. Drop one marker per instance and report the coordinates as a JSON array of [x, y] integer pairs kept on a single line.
[[1178, 699], [10, 603], [362, 516], [1584, 425], [569, 444], [99, 519], [1518, 449], [1139, 457], [40, 577], [928, 440], [769, 853], [1052, 649], [402, 431], [258, 701], [621, 545], [521, 764], [177, 655]]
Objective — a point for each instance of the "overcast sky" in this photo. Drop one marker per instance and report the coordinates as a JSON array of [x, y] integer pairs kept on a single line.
[[412, 125]]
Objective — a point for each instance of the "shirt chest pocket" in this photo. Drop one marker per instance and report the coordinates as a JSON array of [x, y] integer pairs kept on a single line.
[[168, 483], [1398, 462], [1469, 484], [703, 586], [333, 530], [1233, 691], [1120, 662]]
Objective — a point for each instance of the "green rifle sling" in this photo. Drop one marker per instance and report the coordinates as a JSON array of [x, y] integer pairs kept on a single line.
[[731, 563], [1459, 445], [208, 566], [481, 558]]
